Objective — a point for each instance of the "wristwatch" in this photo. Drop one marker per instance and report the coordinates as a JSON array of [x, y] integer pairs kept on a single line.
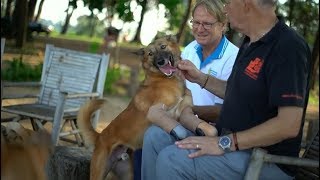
[[225, 143]]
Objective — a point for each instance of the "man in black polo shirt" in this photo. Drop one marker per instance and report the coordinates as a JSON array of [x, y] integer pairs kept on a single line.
[[263, 102]]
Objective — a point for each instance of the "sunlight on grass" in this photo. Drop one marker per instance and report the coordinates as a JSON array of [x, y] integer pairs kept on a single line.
[[94, 40], [73, 36]]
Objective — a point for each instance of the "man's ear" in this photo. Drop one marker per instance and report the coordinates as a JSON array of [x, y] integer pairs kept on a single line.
[[140, 52]]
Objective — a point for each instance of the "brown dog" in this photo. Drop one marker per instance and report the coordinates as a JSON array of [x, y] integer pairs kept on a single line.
[[24, 155], [126, 131]]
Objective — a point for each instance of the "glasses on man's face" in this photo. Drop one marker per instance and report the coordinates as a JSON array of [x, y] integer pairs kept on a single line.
[[205, 25]]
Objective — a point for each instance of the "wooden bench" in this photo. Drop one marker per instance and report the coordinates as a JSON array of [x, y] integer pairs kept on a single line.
[[308, 164]]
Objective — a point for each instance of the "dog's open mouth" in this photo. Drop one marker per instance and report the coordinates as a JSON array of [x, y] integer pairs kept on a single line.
[[168, 69]]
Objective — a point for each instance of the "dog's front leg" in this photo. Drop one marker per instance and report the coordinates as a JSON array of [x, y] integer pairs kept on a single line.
[[186, 101]]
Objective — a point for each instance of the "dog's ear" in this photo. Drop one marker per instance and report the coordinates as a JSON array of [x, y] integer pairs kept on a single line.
[[140, 52], [172, 38]]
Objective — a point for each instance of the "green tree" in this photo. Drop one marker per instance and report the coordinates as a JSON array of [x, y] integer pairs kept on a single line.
[[72, 5], [92, 5], [83, 26]]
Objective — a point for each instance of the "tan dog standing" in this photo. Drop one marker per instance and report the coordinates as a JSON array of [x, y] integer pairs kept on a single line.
[[126, 131]]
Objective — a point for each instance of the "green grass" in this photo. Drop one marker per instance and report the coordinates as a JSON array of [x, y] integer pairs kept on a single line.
[[314, 95], [73, 36], [18, 71], [94, 40]]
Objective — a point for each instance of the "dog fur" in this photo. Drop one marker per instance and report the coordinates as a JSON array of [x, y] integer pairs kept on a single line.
[[24, 153], [126, 131]]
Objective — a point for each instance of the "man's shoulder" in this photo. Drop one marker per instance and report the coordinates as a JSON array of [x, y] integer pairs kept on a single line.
[[191, 45], [231, 49], [290, 38], [231, 45]]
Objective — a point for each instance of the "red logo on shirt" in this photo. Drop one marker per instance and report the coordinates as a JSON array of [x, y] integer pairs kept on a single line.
[[253, 69]]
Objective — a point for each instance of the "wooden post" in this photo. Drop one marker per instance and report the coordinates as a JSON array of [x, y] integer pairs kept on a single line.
[[134, 82], [255, 164]]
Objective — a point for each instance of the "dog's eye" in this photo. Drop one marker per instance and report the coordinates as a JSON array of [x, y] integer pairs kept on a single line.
[[150, 53], [163, 46]]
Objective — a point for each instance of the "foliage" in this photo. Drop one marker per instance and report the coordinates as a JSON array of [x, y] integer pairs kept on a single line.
[[176, 17], [94, 47], [305, 17], [113, 75], [19, 71], [84, 26], [96, 4], [314, 95], [123, 9]]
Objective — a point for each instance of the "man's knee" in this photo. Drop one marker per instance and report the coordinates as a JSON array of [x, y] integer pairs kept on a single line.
[[153, 133]]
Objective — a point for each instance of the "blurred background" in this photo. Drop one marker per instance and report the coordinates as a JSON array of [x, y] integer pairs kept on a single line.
[[120, 27]]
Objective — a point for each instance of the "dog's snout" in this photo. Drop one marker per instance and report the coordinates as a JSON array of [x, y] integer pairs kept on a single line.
[[160, 62], [171, 58]]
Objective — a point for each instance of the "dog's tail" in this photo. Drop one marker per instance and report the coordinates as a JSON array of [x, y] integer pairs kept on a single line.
[[84, 120]]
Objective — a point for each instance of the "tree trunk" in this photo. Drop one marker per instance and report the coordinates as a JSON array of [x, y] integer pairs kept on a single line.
[[143, 11], [21, 24], [292, 4], [39, 10], [31, 9], [67, 21], [92, 23], [8, 8], [184, 22], [69, 163], [314, 61]]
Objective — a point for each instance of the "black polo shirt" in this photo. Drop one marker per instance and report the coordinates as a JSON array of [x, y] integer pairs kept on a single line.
[[270, 73]]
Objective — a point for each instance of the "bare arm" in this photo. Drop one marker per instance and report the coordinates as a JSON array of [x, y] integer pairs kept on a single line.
[[207, 113], [192, 74], [285, 125]]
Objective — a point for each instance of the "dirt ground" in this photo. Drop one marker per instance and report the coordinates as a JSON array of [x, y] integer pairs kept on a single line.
[[116, 103]]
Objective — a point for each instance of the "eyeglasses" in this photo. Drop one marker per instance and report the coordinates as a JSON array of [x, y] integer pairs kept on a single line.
[[205, 25]]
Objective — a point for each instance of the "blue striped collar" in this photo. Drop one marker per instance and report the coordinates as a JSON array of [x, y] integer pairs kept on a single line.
[[216, 54]]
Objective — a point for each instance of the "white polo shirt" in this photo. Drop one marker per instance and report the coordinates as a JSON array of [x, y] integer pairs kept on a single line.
[[218, 64]]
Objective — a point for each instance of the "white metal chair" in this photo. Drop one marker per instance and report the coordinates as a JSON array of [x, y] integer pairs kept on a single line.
[[68, 79]]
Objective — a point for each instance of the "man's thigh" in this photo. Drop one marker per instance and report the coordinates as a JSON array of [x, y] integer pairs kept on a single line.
[[229, 166]]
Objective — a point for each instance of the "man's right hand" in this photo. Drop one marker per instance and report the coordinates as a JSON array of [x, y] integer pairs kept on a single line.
[[191, 73]]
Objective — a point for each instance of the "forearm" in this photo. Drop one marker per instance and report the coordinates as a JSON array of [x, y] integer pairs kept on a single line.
[[285, 125], [213, 85], [207, 113]]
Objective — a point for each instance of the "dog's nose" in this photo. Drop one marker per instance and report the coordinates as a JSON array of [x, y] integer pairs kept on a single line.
[[161, 62]]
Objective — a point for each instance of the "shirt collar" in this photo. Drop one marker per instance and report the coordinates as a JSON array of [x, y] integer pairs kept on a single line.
[[216, 54]]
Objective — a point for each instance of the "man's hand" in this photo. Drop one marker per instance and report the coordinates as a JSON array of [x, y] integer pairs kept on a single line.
[[205, 145], [191, 73]]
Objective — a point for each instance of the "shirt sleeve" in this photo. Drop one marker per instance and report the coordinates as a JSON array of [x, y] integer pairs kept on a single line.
[[287, 78]]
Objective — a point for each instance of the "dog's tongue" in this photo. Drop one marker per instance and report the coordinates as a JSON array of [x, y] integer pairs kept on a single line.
[[167, 69]]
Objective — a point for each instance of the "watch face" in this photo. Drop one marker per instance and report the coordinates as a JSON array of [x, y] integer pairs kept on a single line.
[[225, 141]]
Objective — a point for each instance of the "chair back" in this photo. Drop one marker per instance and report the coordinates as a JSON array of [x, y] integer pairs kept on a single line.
[[71, 71]]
